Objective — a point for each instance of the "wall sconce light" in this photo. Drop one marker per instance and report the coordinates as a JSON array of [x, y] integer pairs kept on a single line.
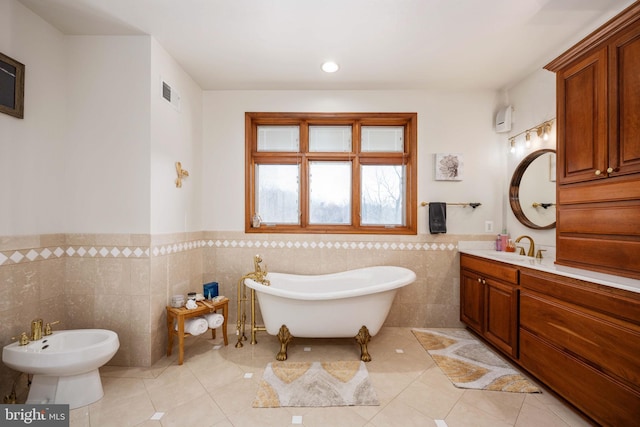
[[182, 173], [544, 130]]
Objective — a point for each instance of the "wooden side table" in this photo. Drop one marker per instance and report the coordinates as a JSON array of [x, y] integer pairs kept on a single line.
[[179, 314]]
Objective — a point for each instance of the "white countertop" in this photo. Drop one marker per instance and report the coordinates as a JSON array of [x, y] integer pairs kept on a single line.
[[548, 265]]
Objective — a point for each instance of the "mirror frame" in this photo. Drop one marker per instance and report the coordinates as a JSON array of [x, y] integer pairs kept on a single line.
[[514, 190]]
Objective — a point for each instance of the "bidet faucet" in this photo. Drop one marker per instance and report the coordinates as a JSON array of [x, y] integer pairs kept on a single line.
[[532, 246], [47, 327], [36, 329]]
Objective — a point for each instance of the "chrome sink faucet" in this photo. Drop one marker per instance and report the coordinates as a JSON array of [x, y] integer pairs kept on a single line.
[[532, 247]]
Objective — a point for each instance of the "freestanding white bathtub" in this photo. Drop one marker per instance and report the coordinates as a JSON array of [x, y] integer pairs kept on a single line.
[[334, 305]]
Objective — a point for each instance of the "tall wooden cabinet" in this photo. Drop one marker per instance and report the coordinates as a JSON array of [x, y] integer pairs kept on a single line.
[[598, 125]]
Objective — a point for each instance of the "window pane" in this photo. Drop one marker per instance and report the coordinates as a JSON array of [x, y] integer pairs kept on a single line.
[[330, 138], [330, 192], [278, 138], [389, 139], [383, 193], [278, 193]]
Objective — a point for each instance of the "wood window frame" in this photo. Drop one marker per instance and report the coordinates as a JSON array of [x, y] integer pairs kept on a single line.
[[409, 121]]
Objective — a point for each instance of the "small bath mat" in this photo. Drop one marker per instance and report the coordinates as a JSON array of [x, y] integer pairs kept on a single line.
[[471, 364], [315, 384]]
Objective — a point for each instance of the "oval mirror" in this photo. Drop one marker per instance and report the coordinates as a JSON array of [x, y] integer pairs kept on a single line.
[[532, 193]]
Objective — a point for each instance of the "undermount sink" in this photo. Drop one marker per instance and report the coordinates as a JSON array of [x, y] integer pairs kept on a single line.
[[510, 257]]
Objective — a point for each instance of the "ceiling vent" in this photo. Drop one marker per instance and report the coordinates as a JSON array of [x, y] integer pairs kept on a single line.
[[170, 95]]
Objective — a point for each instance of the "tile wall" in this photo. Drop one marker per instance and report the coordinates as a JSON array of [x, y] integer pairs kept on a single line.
[[123, 282]]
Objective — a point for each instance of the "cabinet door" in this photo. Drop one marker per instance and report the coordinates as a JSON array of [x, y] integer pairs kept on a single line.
[[582, 119], [471, 299], [624, 103], [501, 314]]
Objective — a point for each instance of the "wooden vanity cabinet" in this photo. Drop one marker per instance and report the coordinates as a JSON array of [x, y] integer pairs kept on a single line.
[[598, 149], [489, 301], [583, 341]]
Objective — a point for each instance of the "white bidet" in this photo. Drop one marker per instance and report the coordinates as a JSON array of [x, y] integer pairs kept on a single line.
[[64, 365]]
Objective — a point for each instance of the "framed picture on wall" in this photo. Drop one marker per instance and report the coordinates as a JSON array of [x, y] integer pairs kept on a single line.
[[11, 87], [449, 166]]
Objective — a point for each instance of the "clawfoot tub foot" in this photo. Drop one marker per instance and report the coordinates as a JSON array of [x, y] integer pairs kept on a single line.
[[363, 338], [285, 338]]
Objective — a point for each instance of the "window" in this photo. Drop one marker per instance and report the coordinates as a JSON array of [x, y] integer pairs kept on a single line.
[[331, 172]]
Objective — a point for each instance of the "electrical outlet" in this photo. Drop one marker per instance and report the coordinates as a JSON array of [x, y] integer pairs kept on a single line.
[[488, 226]]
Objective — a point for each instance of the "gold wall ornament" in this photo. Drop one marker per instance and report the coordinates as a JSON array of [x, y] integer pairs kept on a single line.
[[182, 173]]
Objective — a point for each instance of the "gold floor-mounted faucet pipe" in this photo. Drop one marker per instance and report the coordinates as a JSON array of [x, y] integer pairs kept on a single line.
[[532, 247], [259, 275]]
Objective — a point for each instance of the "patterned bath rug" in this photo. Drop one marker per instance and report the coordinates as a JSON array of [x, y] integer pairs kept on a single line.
[[469, 363], [315, 384]]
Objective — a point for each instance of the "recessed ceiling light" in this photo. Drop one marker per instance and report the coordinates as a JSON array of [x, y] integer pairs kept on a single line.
[[330, 67]]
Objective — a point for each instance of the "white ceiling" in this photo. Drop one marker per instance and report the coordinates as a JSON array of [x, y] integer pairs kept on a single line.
[[379, 44]]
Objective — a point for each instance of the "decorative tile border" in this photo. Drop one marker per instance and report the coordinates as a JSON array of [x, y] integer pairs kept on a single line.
[[171, 248], [289, 244], [41, 254]]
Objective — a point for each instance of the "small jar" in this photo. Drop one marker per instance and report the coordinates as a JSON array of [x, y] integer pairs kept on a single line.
[[511, 247], [191, 296], [177, 301]]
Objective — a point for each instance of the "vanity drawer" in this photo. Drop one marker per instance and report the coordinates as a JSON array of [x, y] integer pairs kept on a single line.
[[617, 303], [613, 256], [605, 191], [610, 220], [610, 345], [493, 269], [605, 400]]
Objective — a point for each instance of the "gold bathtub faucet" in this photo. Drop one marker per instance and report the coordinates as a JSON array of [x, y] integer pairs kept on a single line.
[[258, 275]]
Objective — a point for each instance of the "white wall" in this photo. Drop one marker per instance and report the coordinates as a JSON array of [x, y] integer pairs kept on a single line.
[[176, 135], [448, 122], [95, 152], [32, 150], [534, 102], [107, 171]]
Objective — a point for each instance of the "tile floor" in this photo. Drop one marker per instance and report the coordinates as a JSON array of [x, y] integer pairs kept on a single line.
[[213, 388]]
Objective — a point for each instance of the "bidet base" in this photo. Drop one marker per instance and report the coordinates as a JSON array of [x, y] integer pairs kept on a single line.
[[74, 390]]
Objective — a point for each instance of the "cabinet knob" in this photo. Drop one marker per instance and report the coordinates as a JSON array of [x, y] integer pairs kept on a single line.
[[484, 282], [479, 280], [609, 170], [598, 172]]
